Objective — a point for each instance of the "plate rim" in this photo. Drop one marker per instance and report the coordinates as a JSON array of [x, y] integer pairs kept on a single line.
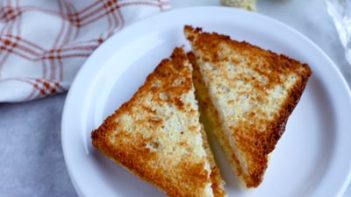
[[99, 52]]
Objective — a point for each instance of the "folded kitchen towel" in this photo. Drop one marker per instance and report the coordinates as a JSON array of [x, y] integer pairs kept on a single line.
[[44, 43]]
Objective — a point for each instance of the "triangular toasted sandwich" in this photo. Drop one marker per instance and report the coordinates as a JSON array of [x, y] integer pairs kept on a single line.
[[157, 135], [246, 95]]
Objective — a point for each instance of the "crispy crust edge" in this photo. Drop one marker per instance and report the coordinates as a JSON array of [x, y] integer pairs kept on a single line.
[[255, 179]]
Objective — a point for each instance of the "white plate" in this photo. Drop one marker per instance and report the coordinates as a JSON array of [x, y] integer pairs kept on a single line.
[[311, 159]]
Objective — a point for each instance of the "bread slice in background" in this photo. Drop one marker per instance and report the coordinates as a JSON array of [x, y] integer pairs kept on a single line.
[[157, 135], [246, 95]]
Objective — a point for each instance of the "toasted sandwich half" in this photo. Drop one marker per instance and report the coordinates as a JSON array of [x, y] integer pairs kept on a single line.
[[157, 135], [246, 95]]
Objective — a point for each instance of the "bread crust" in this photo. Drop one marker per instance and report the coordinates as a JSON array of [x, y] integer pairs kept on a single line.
[[254, 141]]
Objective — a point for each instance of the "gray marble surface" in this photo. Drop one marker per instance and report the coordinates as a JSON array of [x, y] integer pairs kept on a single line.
[[31, 159]]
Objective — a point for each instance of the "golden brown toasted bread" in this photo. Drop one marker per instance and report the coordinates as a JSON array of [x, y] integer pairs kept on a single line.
[[157, 134], [246, 95]]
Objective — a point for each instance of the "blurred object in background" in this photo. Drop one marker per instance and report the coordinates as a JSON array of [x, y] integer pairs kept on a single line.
[[340, 11], [246, 4]]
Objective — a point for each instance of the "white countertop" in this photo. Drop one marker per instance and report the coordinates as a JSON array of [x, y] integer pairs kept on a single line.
[[30, 149]]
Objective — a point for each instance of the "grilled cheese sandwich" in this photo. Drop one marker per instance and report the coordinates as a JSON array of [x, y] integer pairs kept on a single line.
[[157, 135], [246, 95]]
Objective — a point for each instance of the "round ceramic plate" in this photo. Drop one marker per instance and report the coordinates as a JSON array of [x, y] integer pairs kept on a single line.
[[311, 159]]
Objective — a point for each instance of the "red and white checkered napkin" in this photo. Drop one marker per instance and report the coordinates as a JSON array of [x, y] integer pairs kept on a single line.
[[44, 43]]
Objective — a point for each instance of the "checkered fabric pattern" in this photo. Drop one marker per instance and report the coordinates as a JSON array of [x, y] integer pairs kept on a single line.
[[43, 43]]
